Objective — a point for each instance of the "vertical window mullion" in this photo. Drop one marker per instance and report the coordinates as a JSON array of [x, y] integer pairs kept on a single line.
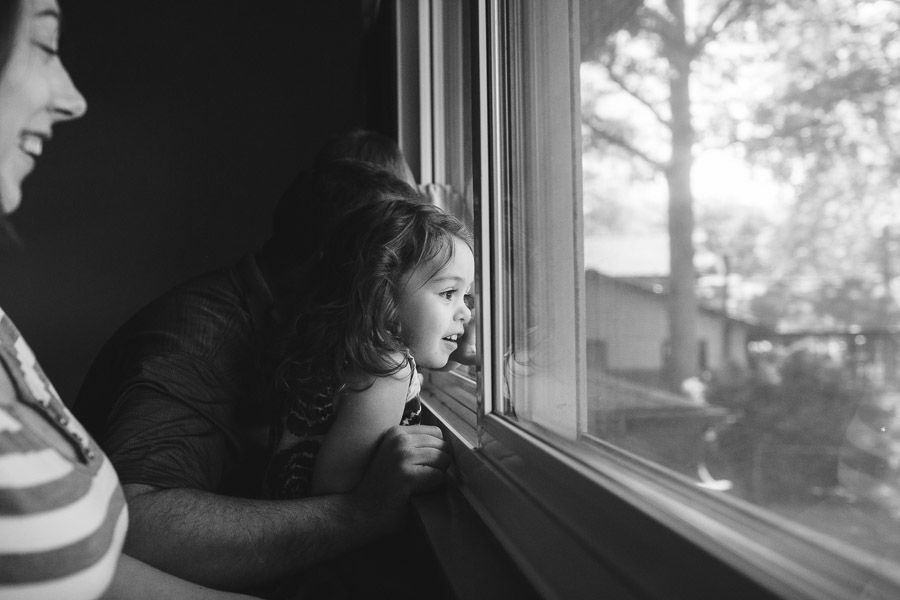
[[539, 260], [426, 93], [439, 104]]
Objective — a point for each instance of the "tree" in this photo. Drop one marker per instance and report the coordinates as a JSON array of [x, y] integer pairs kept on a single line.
[[652, 61], [830, 131], [805, 90]]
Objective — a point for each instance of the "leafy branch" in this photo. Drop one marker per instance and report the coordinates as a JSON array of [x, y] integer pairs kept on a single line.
[[599, 130], [619, 81], [719, 23]]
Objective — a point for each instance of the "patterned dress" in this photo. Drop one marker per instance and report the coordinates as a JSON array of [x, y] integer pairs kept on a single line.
[[62, 511], [290, 469]]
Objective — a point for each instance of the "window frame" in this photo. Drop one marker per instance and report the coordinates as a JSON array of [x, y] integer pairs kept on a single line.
[[559, 506]]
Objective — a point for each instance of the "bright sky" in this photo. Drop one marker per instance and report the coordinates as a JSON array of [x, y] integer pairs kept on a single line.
[[720, 177]]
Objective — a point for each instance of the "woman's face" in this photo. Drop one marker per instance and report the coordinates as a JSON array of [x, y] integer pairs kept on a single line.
[[36, 92]]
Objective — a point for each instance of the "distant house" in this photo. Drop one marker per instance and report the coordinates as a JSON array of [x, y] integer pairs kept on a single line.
[[628, 330]]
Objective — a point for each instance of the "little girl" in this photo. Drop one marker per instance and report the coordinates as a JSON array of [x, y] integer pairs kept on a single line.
[[390, 293]]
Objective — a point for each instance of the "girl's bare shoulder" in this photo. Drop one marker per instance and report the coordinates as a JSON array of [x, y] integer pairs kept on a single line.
[[359, 380]]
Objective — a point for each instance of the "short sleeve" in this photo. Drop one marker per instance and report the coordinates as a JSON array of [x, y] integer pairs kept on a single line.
[[167, 428]]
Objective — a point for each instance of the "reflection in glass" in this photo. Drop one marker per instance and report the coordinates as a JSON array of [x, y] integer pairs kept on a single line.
[[537, 273]]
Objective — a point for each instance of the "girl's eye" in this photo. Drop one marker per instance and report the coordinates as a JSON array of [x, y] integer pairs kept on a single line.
[[448, 295], [469, 301]]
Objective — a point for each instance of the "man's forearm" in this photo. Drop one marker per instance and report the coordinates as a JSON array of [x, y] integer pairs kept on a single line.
[[236, 543]]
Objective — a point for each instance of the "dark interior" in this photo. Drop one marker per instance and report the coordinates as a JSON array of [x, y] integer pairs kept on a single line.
[[199, 114]]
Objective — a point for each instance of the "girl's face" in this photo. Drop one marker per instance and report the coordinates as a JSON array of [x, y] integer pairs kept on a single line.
[[36, 92], [434, 312]]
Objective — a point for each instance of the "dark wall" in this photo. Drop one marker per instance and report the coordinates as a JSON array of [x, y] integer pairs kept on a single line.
[[199, 114]]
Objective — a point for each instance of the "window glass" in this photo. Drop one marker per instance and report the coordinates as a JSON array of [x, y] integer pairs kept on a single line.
[[451, 97], [687, 229], [450, 157], [537, 203], [740, 236]]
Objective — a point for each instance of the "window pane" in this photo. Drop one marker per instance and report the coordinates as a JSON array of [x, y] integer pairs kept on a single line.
[[451, 155], [452, 98], [741, 230], [539, 253]]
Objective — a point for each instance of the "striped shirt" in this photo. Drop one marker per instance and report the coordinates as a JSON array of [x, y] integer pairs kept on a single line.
[[62, 512]]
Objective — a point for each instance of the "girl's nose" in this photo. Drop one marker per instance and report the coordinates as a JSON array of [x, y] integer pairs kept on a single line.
[[465, 314]]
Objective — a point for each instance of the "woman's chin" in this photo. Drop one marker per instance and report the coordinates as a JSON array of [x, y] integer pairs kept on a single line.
[[10, 196]]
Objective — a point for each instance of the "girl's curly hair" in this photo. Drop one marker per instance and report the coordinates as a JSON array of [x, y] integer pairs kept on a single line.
[[347, 324]]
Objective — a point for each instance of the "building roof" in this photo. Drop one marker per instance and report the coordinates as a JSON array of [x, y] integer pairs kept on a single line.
[[655, 287], [628, 255]]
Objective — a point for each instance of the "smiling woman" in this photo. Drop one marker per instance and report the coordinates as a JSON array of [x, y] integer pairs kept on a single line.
[[62, 512], [63, 516], [36, 93]]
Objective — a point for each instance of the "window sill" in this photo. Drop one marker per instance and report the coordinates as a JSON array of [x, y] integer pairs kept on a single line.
[[471, 560], [573, 531], [514, 542]]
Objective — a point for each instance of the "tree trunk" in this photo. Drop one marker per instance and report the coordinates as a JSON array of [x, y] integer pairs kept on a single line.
[[682, 362]]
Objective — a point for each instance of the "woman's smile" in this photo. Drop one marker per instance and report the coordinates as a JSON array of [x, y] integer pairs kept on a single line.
[[31, 144]]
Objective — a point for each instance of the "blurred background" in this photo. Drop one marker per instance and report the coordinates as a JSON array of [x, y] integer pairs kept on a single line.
[[199, 114]]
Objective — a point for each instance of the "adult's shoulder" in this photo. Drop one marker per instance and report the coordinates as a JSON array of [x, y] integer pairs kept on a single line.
[[199, 317]]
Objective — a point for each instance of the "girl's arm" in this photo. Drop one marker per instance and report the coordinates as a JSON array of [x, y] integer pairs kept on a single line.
[[361, 420]]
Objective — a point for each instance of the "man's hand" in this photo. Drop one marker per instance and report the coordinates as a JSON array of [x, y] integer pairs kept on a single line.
[[409, 460], [236, 543]]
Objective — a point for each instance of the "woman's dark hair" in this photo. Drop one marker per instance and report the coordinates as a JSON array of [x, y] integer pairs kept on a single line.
[[348, 324], [10, 14]]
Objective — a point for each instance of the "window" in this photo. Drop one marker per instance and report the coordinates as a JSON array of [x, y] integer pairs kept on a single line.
[[444, 87], [686, 220]]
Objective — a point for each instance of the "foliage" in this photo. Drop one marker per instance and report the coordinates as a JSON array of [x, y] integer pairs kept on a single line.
[[804, 90], [830, 131]]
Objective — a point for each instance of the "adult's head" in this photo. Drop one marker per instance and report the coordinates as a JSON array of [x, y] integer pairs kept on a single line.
[[367, 146], [36, 91], [313, 203]]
